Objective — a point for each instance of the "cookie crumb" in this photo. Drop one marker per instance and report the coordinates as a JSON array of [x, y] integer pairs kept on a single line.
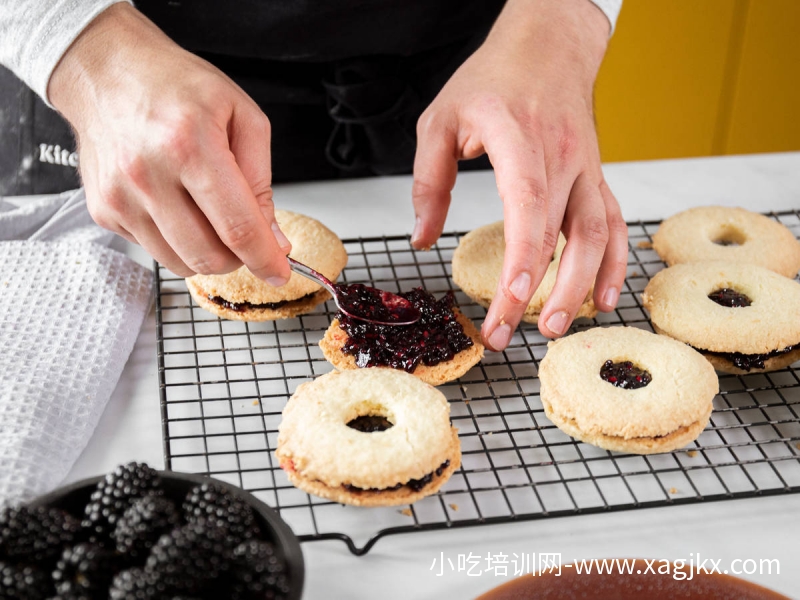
[[406, 512], [646, 244], [453, 506], [255, 402], [673, 490], [797, 445], [691, 453]]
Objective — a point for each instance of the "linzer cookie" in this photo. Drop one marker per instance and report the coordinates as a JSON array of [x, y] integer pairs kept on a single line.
[[742, 317], [440, 347], [478, 261], [242, 296], [729, 234], [371, 437], [625, 389]]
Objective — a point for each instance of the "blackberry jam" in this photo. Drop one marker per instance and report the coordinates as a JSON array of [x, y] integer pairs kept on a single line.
[[373, 304], [370, 423], [414, 484], [625, 375], [436, 337], [245, 306], [730, 298]]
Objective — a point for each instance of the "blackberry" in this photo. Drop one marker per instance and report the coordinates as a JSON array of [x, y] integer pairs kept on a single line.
[[189, 558], [140, 526], [114, 494], [35, 534], [84, 571], [23, 582], [258, 572], [135, 584], [220, 508]]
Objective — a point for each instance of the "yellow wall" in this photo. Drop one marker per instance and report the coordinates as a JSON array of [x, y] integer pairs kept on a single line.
[[700, 77]]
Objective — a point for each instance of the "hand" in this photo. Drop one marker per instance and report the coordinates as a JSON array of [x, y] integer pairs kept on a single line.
[[525, 98], [173, 154]]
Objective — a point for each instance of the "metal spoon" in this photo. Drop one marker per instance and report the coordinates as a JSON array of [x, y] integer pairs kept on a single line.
[[363, 302]]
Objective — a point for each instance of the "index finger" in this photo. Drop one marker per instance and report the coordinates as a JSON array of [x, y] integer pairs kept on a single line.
[[522, 183], [240, 217]]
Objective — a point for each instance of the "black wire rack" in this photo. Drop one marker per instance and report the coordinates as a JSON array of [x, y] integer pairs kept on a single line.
[[223, 385]]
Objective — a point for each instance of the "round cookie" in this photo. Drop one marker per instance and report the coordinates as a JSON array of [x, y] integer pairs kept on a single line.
[[395, 346], [478, 262], [323, 455], [663, 414], [729, 234], [242, 296], [763, 336]]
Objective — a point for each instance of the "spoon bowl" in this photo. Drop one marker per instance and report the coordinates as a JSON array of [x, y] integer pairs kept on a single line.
[[363, 302]]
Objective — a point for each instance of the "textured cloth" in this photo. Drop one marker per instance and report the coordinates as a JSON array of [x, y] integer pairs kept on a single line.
[[70, 312]]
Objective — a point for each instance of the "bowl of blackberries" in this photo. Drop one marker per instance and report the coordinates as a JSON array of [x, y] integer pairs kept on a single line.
[[142, 534]]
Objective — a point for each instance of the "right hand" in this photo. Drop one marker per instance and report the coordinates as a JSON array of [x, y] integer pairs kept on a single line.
[[173, 154]]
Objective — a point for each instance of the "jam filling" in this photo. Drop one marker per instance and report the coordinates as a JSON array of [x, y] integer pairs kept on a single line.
[[625, 375], [414, 484], [730, 298], [245, 306], [373, 304], [745, 362], [436, 337], [370, 423]]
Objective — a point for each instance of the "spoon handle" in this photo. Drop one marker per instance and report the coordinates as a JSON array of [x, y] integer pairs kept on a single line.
[[307, 271]]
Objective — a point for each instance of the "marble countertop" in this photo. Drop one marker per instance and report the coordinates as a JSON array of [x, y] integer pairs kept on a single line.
[[408, 565]]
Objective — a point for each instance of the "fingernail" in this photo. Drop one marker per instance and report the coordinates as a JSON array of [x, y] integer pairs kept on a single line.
[[276, 281], [416, 233], [611, 297], [557, 323], [521, 286], [283, 241], [500, 337]]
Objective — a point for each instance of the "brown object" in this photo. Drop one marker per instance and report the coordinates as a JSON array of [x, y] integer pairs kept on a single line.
[[335, 337], [635, 586]]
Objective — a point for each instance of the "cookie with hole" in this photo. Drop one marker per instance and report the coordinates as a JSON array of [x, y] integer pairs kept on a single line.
[[627, 390], [730, 234], [742, 317], [478, 262], [368, 437], [241, 296]]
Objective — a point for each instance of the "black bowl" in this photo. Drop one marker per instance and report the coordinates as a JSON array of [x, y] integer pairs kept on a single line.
[[74, 497]]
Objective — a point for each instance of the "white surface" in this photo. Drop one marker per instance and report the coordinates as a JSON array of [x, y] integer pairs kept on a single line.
[[400, 566]]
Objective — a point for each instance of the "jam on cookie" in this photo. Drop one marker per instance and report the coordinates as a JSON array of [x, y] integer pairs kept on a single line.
[[241, 307], [437, 336], [625, 375], [730, 298], [370, 423]]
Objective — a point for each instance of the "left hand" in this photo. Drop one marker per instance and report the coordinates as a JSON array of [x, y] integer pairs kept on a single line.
[[525, 99]]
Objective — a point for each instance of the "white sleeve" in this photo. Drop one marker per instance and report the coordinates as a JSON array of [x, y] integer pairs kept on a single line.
[[34, 34], [611, 9]]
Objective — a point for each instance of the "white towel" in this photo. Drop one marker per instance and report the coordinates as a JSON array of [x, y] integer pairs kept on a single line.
[[70, 311]]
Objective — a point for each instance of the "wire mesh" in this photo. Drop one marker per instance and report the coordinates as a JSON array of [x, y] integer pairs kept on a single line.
[[224, 384]]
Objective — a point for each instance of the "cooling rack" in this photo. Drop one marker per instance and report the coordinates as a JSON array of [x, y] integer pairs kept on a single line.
[[223, 385]]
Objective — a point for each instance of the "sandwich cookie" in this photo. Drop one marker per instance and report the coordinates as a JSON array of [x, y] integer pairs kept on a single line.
[[371, 437], [440, 347], [742, 317], [625, 389], [242, 296], [478, 262], [729, 234]]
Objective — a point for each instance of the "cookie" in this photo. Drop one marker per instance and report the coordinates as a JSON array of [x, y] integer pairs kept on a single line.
[[440, 347], [742, 317], [369, 437], [478, 262], [626, 389], [730, 234], [242, 296]]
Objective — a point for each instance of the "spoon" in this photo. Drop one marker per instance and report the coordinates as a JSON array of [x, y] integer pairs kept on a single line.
[[360, 301]]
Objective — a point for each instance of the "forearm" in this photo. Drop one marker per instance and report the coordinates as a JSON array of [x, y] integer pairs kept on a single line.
[[34, 35], [572, 33]]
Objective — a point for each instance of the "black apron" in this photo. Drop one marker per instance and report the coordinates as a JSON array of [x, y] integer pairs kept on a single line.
[[342, 84]]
